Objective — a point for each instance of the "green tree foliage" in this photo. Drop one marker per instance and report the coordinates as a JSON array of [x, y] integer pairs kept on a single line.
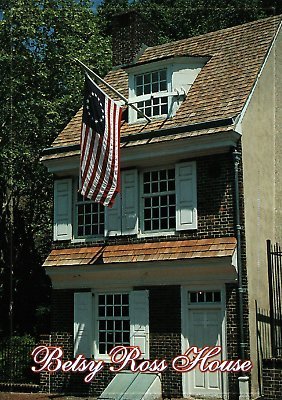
[[178, 19], [41, 87]]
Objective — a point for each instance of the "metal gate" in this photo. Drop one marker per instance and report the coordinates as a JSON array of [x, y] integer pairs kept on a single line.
[[274, 257]]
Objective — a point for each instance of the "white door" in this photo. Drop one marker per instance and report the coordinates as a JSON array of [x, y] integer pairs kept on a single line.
[[203, 328]]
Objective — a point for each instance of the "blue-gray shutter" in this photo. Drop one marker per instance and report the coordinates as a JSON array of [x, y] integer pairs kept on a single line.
[[139, 321], [83, 323], [63, 209], [186, 196], [129, 205], [113, 218]]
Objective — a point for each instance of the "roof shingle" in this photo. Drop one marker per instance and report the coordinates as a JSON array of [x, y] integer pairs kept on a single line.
[[140, 252], [219, 91]]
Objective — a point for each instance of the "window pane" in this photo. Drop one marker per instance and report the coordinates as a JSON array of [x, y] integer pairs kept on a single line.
[[193, 297], [156, 110], [147, 188], [118, 325], [209, 296], [163, 75], [163, 86], [155, 187], [155, 224], [139, 80], [164, 109], [155, 77], [201, 297], [117, 311], [159, 202], [101, 311], [147, 225], [155, 212], [155, 88], [139, 90], [147, 89], [217, 296], [109, 311], [125, 311], [126, 338], [155, 201], [147, 78], [89, 218], [87, 230]]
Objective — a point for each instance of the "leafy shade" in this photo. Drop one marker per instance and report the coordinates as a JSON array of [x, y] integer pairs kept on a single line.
[[179, 19], [41, 88]]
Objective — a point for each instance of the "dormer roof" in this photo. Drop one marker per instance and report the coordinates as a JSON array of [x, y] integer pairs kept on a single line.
[[216, 98]]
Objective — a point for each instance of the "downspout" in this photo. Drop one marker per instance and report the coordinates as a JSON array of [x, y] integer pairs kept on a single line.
[[243, 379]]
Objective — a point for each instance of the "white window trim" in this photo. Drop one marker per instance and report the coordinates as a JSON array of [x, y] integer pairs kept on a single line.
[[132, 114], [95, 332], [95, 335]]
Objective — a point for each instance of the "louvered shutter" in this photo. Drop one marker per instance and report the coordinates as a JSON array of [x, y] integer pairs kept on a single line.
[[139, 321], [113, 218], [83, 323], [186, 196], [63, 209], [129, 202]]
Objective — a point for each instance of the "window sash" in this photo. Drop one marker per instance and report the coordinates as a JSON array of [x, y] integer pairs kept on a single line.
[[151, 82], [92, 220], [145, 86], [112, 330], [162, 207]]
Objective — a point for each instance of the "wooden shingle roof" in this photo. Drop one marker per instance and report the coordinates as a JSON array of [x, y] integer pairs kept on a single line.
[[142, 252], [219, 91]]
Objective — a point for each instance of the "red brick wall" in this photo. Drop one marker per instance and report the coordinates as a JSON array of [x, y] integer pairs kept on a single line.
[[272, 379], [215, 181]]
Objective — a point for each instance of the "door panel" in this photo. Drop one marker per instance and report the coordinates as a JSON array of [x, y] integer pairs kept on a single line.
[[204, 328]]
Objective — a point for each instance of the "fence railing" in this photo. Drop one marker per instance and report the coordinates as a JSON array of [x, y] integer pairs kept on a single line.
[[16, 362], [274, 257]]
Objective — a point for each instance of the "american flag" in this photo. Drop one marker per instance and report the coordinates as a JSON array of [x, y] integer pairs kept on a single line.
[[100, 141]]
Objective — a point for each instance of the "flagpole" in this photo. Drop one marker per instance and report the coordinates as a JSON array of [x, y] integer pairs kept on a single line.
[[112, 89]]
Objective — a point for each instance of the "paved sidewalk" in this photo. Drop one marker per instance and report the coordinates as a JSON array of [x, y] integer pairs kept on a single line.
[[40, 396]]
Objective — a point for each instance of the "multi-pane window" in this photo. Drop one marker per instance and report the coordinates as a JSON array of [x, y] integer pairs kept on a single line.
[[151, 88], [113, 321], [205, 297], [90, 217], [159, 199]]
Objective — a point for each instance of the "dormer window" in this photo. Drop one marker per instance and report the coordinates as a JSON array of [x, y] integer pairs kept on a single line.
[[157, 89], [151, 90]]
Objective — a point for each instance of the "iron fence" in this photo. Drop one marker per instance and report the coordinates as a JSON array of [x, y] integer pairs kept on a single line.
[[274, 257], [16, 362]]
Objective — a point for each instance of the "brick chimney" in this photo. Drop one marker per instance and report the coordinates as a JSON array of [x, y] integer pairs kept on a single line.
[[130, 32]]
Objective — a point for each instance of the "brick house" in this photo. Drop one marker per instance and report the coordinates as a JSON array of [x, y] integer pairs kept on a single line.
[[180, 259]]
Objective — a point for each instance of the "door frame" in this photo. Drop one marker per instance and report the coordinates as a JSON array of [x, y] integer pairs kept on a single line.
[[184, 329]]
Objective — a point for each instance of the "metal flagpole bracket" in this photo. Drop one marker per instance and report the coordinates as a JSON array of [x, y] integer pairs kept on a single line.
[[112, 89]]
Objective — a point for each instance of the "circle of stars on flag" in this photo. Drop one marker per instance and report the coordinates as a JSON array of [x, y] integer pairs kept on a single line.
[[96, 99]]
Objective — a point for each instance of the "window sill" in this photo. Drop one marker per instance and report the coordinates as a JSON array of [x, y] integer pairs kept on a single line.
[[89, 239], [142, 121], [156, 234]]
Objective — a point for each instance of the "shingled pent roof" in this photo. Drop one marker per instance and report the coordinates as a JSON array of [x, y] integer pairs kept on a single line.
[[142, 252], [219, 91]]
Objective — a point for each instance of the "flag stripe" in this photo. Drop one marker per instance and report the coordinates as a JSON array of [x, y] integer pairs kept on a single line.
[[100, 146]]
